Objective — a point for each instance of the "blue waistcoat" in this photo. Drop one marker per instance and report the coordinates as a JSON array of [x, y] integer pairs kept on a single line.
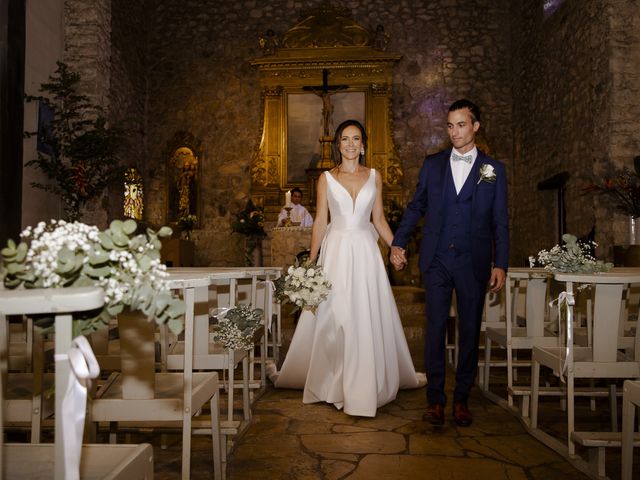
[[455, 233]]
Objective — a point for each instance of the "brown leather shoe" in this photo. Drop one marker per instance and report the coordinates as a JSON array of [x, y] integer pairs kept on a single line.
[[435, 414], [461, 414]]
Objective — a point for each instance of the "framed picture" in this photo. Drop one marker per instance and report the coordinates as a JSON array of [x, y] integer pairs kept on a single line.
[[45, 140]]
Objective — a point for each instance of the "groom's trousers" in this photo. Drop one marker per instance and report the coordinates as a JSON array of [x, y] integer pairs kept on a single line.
[[447, 272]]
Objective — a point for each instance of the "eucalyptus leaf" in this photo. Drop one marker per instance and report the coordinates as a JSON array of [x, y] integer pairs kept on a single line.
[[175, 325], [116, 226], [120, 239], [129, 227], [21, 252], [105, 241], [165, 232], [176, 309], [98, 257]]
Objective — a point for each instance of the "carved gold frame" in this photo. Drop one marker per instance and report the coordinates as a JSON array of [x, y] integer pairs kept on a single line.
[[325, 37]]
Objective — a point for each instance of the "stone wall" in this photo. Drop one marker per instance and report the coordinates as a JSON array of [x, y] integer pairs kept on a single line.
[[202, 84], [128, 88], [557, 94], [87, 51], [574, 75], [620, 132]]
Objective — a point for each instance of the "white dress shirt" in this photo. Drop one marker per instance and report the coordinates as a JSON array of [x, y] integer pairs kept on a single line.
[[460, 170], [298, 214]]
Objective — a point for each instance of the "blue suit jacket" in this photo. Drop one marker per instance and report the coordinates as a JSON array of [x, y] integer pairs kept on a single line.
[[489, 214]]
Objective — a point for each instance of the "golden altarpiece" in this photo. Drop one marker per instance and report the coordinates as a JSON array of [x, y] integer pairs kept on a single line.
[[325, 69]]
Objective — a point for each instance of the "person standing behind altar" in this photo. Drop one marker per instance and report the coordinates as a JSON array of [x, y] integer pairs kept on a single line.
[[462, 194], [298, 212]]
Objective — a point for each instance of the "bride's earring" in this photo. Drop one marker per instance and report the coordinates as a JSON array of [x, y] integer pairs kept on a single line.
[[362, 152]]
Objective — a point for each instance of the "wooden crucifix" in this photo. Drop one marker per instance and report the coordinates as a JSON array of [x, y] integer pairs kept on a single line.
[[324, 92]]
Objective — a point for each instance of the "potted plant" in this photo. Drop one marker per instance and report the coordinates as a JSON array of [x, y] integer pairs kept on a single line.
[[250, 222], [622, 188], [76, 148]]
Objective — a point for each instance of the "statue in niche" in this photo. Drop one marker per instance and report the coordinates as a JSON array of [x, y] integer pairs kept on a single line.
[[185, 171], [133, 194], [380, 39], [269, 43]]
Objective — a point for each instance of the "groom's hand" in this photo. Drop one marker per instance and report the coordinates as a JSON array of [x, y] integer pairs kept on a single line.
[[398, 257], [498, 278]]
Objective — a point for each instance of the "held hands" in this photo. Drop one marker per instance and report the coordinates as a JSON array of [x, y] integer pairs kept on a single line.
[[398, 257], [498, 278]]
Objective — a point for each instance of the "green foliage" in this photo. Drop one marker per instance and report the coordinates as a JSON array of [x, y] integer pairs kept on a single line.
[[81, 145], [249, 221], [125, 264]]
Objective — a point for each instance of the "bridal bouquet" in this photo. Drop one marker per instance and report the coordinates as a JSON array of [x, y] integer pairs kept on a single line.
[[572, 257], [304, 285], [236, 326]]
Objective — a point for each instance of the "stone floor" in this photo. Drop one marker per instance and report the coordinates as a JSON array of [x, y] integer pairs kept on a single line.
[[289, 440]]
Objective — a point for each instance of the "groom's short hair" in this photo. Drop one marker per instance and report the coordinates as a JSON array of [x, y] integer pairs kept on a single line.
[[464, 103]]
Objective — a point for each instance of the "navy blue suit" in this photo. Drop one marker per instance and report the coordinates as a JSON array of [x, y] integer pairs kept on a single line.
[[464, 234]]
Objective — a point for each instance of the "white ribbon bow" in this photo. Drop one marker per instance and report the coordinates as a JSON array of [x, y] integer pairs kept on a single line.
[[84, 367], [270, 288], [565, 298]]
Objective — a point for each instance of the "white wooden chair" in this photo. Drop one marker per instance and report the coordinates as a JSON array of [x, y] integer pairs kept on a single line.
[[140, 397], [131, 462], [532, 284], [602, 359], [630, 401]]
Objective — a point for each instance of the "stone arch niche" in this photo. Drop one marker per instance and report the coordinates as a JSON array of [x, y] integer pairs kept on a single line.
[[183, 156], [323, 70]]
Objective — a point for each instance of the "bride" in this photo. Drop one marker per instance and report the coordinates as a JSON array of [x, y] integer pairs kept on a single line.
[[353, 352]]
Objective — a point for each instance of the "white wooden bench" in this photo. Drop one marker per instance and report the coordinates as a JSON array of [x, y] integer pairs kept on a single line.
[[599, 441]]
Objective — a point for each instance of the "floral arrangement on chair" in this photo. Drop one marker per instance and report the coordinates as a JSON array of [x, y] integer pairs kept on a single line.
[[572, 257], [250, 222], [622, 188], [236, 326], [304, 285], [125, 264]]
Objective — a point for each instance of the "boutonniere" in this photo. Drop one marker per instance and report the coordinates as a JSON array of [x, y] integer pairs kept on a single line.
[[487, 173]]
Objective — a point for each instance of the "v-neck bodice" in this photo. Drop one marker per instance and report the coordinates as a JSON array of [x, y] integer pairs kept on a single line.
[[348, 212]]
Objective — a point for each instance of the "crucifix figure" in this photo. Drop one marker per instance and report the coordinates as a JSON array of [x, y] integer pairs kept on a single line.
[[323, 91]]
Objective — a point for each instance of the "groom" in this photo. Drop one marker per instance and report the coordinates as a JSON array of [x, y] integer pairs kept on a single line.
[[462, 194]]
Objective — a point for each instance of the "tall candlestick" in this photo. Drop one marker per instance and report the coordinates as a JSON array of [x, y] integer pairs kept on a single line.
[[287, 199]]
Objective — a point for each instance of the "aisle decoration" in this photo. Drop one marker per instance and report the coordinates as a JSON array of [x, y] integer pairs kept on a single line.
[[236, 326], [573, 256], [125, 264], [304, 285]]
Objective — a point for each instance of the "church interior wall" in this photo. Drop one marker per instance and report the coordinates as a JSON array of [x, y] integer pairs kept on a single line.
[[557, 93]]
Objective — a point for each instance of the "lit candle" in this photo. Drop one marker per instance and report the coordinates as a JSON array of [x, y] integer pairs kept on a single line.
[[287, 199]]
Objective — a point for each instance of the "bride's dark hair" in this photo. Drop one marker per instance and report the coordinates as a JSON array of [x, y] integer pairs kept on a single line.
[[337, 157]]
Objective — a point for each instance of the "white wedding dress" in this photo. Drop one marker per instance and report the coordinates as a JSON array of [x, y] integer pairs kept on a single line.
[[353, 352]]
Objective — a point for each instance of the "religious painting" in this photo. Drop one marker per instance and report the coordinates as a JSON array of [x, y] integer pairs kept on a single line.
[[305, 126]]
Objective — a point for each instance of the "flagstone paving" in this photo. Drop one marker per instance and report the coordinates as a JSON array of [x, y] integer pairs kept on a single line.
[[289, 440]]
